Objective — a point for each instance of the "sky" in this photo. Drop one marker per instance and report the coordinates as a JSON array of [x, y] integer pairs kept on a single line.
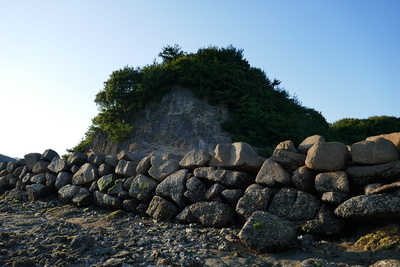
[[339, 57]]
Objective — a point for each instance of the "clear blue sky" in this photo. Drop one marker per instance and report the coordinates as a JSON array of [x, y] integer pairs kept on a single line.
[[339, 57]]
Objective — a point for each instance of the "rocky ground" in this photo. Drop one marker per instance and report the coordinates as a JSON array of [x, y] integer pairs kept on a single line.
[[48, 233]]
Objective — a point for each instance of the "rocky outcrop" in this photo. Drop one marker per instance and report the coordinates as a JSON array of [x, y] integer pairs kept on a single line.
[[231, 186], [180, 122]]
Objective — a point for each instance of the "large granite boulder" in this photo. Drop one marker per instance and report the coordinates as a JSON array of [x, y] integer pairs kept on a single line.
[[332, 182], [213, 214], [265, 232], [380, 207], [327, 156], [195, 159], [173, 187], [143, 188], [239, 156], [376, 151], [31, 159], [294, 205], [49, 154], [196, 190], [307, 143], [286, 155], [67, 193], [325, 223], [37, 191], [230, 178], [106, 201], [85, 175], [58, 165], [126, 168], [393, 137], [361, 176], [161, 168], [161, 209], [304, 179], [272, 174]]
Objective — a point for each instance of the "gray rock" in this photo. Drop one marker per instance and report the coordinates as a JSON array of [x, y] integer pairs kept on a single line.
[[196, 190], [83, 197], [265, 232], [50, 180], [144, 165], [361, 176], [24, 171], [229, 178], [290, 161], [173, 187], [38, 179], [213, 214], [272, 174], [82, 243], [161, 168], [105, 169], [325, 157], [106, 201], [232, 196], [143, 188], [40, 167], [58, 165], [128, 156], [239, 156], [379, 207], [386, 263], [369, 189], [27, 178], [126, 168], [214, 192], [388, 188], [186, 216], [67, 193], [332, 182], [106, 182], [304, 179], [195, 159], [172, 156], [377, 151], [256, 197], [161, 209], [111, 160], [117, 188], [307, 143], [63, 178], [17, 172], [294, 205], [77, 159], [325, 223], [85, 175], [11, 166], [49, 155], [130, 205], [334, 198], [393, 137], [31, 159], [96, 158], [37, 191]]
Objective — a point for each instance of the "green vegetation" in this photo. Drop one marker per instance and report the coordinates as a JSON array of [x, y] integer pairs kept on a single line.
[[261, 113]]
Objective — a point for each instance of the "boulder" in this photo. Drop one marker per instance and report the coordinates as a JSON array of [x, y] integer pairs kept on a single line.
[[143, 188], [105, 169], [232, 196], [361, 176], [85, 175], [67, 193], [380, 207], [111, 160], [49, 155], [144, 165], [161, 209], [11, 166], [272, 174], [304, 179], [126, 168], [40, 167], [377, 151], [294, 205], [307, 143], [130, 205], [38, 179], [77, 159], [265, 232], [24, 171], [161, 168], [393, 137], [325, 157], [63, 178], [256, 197], [387, 188], [58, 165], [117, 188], [213, 214], [334, 198], [31, 159], [37, 191], [239, 156], [229, 178], [106, 182], [173, 187], [106, 201], [332, 182], [126, 155], [96, 158], [172, 156], [50, 180], [325, 223], [196, 190], [195, 159], [285, 154], [214, 192], [27, 178], [186, 216]]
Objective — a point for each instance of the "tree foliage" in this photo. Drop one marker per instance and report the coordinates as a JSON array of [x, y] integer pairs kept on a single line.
[[261, 113], [350, 131]]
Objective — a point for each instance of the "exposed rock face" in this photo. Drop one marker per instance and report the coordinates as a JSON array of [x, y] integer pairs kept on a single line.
[[376, 151], [179, 122]]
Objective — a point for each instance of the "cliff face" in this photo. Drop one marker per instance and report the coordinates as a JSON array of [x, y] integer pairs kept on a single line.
[[179, 123]]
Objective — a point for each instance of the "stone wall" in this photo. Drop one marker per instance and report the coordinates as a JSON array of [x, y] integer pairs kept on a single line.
[[315, 188]]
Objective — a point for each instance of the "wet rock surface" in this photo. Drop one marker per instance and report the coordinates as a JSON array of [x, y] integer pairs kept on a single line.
[[49, 233]]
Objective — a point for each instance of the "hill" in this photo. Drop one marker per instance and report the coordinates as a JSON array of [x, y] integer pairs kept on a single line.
[[6, 158]]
